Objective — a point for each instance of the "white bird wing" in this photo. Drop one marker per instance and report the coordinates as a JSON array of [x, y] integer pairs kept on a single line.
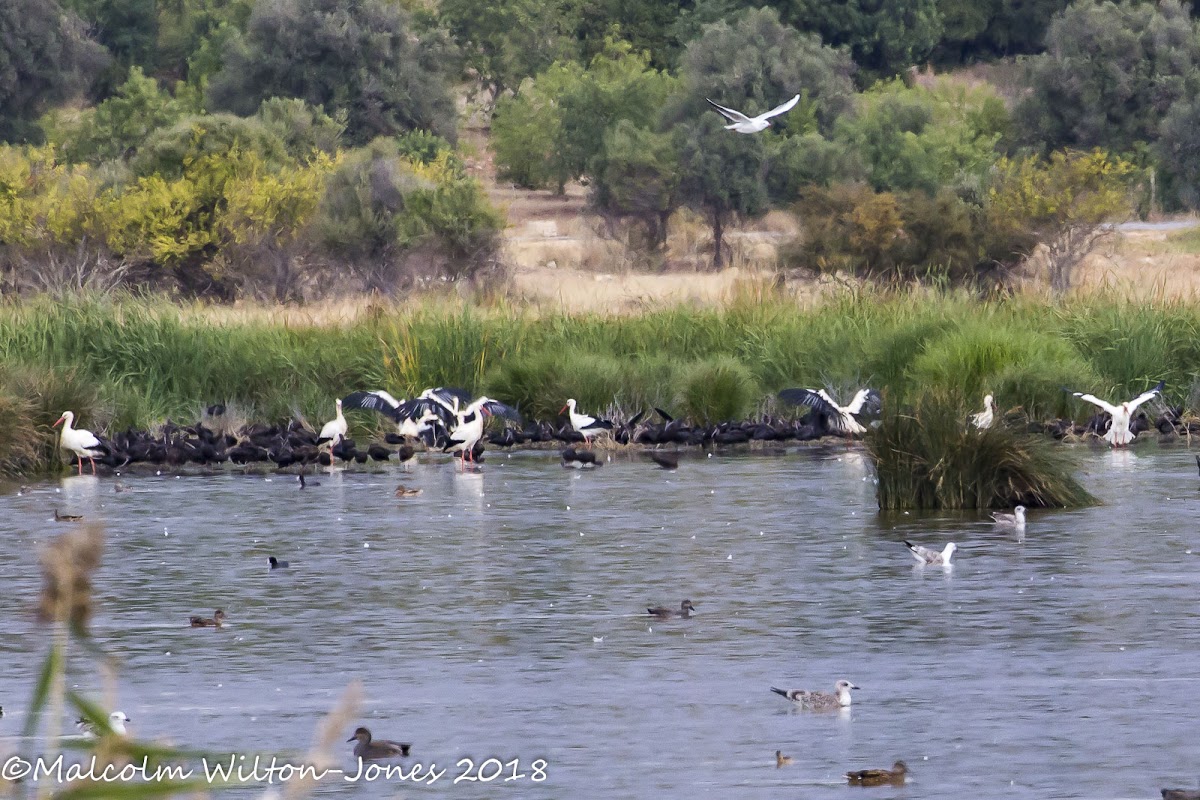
[[88, 439], [1144, 396], [857, 403], [729, 113], [1096, 401], [782, 109]]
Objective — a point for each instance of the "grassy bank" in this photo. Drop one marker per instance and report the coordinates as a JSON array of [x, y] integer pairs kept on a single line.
[[134, 362]]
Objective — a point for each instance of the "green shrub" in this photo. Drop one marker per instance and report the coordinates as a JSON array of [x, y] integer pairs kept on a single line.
[[717, 390], [1019, 366], [929, 457]]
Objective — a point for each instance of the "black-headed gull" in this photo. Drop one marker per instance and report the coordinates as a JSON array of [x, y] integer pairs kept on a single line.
[[743, 124], [819, 701], [925, 555], [1118, 432], [984, 419], [841, 418]]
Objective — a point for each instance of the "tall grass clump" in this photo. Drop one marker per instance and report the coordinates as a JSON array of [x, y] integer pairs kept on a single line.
[[1018, 365], [928, 457], [31, 400], [717, 390]]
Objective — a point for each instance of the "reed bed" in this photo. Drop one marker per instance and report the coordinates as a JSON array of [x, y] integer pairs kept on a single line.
[[929, 457], [129, 361]]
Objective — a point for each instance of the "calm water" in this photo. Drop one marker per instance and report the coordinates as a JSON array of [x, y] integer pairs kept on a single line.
[[1064, 666]]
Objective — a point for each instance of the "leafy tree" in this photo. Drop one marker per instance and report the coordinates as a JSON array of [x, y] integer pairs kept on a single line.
[[1065, 203], [127, 28], [192, 35], [120, 125], [357, 57], [1178, 150], [550, 131], [513, 39], [1109, 74], [304, 130], [45, 57], [884, 36], [798, 162], [918, 138], [722, 174], [634, 177], [384, 213]]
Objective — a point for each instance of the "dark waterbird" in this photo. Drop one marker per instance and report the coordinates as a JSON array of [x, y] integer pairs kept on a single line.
[[66, 517], [664, 460], [307, 484], [368, 749], [879, 777], [662, 612], [208, 622], [277, 564], [1180, 794], [578, 459]]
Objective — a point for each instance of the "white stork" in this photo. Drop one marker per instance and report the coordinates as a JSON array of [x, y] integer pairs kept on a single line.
[[333, 431], [583, 424], [1119, 434], [471, 420], [82, 443], [841, 418]]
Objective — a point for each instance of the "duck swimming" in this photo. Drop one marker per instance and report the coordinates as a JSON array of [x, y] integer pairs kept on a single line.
[[879, 777], [368, 749], [209, 622], [662, 612]]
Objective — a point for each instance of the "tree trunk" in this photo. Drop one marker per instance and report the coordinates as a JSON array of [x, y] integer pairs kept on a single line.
[[718, 228]]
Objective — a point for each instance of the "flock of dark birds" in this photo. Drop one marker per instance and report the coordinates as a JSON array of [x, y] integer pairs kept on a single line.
[[451, 421]]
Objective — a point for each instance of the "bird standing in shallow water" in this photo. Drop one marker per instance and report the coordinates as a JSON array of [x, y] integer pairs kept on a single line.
[[334, 431], [583, 424], [662, 612], [1119, 434], [82, 443], [368, 749], [879, 777]]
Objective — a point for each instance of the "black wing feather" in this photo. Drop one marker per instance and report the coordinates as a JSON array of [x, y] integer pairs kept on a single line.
[[807, 397], [372, 401]]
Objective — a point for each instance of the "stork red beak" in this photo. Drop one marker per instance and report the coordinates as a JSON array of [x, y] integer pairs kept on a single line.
[[60, 419], [561, 410]]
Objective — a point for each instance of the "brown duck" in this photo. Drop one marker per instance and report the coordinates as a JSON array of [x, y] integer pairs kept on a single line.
[[781, 760], [879, 777], [1180, 794], [662, 612], [209, 622], [368, 749]]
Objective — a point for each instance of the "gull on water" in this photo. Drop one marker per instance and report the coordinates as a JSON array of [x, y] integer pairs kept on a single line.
[[90, 730], [819, 701], [1013, 520], [925, 555], [1119, 434], [743, 124]]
